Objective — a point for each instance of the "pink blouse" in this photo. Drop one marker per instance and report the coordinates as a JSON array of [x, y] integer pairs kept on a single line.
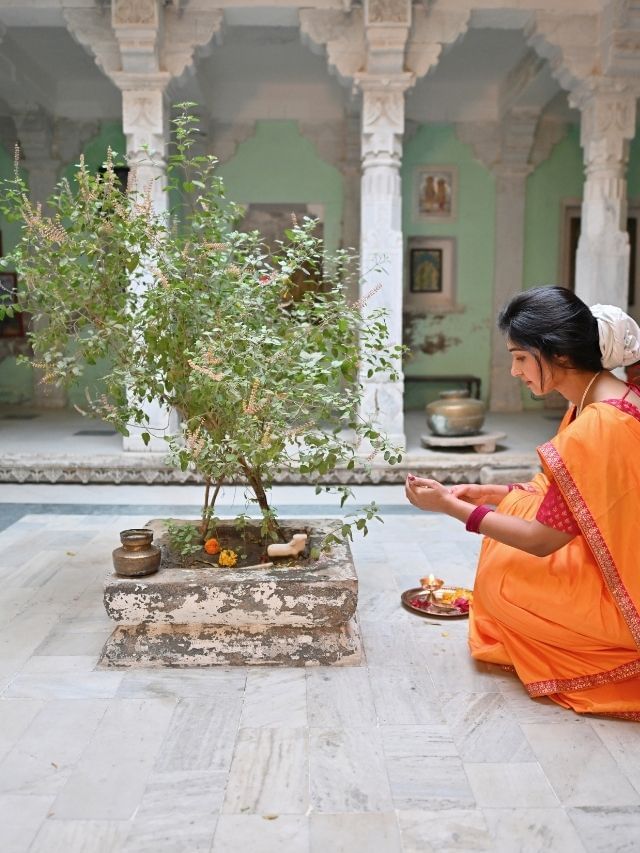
[[554, 511]]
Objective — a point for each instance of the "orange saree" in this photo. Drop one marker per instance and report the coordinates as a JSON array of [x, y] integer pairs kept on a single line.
[[569, 623]]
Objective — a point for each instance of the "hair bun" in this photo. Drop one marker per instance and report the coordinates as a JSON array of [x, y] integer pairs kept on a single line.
[[619, 336]]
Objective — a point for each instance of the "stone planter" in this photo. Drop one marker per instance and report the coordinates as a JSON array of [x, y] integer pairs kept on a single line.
[[289, 616]]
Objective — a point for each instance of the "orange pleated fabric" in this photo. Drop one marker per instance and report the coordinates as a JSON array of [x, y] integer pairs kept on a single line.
[[569, 623]]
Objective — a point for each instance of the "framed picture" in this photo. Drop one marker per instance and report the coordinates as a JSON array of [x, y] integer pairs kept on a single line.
[[430, 273], [425, 270], [10, 327], [435, 193]]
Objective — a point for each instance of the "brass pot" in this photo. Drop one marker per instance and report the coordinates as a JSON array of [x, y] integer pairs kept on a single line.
[[455, 413], [137, 556]]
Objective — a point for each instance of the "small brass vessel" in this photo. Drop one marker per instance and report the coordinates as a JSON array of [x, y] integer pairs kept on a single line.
[[137, 557], [455, 413]]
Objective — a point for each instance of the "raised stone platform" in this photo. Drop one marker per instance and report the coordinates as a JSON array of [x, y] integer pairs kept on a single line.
[[482, 442], [294, 616]]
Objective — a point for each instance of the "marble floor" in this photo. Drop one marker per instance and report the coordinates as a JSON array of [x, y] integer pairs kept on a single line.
[[420, 750]]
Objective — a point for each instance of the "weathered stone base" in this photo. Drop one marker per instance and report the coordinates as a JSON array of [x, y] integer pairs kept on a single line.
[[287, 613], [206, 645]]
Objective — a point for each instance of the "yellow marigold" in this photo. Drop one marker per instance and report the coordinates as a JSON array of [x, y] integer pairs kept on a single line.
[[227, 558]]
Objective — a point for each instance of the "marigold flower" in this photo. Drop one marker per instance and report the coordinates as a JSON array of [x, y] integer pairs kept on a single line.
[[212, 546], [227, 558]]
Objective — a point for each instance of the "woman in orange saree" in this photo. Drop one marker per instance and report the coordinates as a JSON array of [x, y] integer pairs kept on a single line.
[[557, 591]]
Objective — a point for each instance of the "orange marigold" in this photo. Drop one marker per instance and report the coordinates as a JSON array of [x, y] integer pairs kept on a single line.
[[212, 546], [227, 558]]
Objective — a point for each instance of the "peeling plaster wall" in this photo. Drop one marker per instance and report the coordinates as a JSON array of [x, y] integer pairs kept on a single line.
[[460, 341]]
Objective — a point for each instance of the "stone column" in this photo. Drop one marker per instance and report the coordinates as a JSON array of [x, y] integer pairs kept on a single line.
[[145, 125], [602, 259], [381, 242]]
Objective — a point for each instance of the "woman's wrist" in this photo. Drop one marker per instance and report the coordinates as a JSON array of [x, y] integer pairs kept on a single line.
[[476, 517]]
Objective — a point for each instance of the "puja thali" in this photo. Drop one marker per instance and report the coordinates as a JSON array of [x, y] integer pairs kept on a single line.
[[448, 602]]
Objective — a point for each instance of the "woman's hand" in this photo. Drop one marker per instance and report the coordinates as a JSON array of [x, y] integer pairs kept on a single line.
[[427, 494], [473, 493]]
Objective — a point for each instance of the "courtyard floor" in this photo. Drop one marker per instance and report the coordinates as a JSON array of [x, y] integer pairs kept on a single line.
[[421, 749]]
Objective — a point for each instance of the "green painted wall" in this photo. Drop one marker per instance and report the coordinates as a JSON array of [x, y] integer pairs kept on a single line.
[[559, 178], [466, 333], [278, 165]]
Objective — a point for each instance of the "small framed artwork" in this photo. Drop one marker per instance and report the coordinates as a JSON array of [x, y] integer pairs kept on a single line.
[[430, 273], [425, 270], [10, 327], [435, 193]]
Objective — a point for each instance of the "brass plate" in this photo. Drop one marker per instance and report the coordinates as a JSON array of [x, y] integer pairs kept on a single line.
[[440, 612]]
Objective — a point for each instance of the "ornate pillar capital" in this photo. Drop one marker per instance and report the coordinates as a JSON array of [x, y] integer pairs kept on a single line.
[[608, 121]]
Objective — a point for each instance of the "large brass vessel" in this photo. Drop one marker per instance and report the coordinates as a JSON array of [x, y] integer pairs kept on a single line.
[[455, 413]]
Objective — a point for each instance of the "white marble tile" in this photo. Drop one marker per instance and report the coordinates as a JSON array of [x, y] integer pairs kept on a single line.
[[427, 782], [15, 717], [348, 772], [447, 831], [622, 739], [61, 642], [532, 830], [386, 641], [445, 653], [269, 772], [483, 729], [354, 833], [261, 834], [64, 685], [506, 785], [340, 697], [80, 836], [20, 637], [200, 736], [109, 779], [174, 831], [215, 683], [275, 697], [48, 664], [20, 819], [608, 829], [404, 695], [192, 792], [428, 741], [579, 767], [44, 757]]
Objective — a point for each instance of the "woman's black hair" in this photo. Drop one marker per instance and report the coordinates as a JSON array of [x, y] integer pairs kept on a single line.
[[551, 322]]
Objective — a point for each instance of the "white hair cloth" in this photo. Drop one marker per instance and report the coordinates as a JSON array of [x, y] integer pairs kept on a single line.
[[619, 336]]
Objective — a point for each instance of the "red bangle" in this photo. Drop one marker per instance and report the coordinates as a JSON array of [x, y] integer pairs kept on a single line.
[[475, 519], [512, 486]]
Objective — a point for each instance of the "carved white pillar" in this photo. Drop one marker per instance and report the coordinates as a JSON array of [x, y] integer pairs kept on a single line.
[[602, 259], [381, 242], [145, 125]]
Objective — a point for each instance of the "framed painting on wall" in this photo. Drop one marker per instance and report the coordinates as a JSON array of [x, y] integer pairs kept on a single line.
[[425, 270], [435, 191], [431, 267], [10, 327]]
